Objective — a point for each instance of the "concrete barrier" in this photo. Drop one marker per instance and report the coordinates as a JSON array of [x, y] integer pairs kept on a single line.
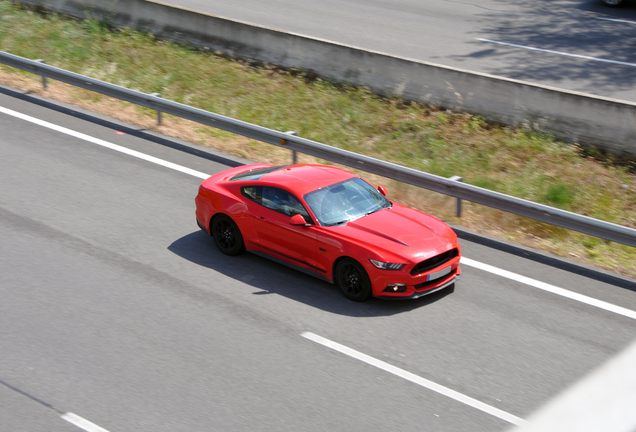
[[605, 123]]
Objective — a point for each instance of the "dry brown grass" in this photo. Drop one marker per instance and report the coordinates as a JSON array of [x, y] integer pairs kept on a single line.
[[475, 217]]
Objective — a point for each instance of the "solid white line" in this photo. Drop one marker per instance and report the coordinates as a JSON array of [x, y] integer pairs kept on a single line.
[[616, 20], [82, 423], [415, 379], [466, 261], [558, 52], [550, 288], [105, 143]]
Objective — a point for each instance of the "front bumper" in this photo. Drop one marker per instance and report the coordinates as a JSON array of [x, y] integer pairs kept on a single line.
[[413, 287], [422, 293]]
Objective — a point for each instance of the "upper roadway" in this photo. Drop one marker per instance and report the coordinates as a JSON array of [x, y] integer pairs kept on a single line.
[[577, 45], [117, 308]]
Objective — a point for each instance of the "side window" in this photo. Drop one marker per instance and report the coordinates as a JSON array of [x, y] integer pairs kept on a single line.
[[283, 202], [255, 193]]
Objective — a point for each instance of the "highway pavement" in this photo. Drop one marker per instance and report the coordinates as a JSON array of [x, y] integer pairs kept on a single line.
[[578, 45], [116, 308]]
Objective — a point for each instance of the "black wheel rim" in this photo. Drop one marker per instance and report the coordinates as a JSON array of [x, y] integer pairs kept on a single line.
[[352, 280], [225, 235]]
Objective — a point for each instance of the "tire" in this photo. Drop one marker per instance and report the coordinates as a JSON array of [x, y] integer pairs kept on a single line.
[[353, 280], [227, 235]]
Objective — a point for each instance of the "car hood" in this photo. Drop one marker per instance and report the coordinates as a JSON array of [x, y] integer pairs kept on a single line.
[[402, 231]]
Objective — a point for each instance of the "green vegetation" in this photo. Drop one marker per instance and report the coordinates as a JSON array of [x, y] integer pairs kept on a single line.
[[514, 161]]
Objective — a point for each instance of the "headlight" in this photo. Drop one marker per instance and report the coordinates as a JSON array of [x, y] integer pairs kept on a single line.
[[386, 265]]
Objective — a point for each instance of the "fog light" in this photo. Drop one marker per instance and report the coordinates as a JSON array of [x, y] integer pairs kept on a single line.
[[395, 288]]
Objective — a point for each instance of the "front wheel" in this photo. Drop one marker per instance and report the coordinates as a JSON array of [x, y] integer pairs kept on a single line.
[[353, 280], [227, 235]]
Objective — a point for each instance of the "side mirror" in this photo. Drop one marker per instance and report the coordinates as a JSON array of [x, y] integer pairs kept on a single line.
[[298, 220], [382, 190]]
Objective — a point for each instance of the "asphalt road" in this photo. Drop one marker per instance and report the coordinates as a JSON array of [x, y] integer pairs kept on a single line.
[[571, 44], [117, 308]]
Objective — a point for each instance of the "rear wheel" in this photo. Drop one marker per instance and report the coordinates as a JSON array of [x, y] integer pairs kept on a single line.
[[353, 280], [227, 235]]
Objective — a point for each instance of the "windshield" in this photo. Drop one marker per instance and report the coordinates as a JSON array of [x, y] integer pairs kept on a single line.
[[345, 201]]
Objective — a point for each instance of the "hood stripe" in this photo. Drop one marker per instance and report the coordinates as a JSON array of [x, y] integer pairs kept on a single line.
[[371, 231]]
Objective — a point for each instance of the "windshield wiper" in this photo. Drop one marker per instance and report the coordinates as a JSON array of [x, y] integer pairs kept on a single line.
[[380, 208], [376, 210]]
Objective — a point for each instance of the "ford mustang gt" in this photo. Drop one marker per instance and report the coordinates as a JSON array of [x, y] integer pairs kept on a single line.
[[332, 224]]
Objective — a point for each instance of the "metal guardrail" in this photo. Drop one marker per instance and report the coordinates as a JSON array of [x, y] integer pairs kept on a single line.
[[540, 212]]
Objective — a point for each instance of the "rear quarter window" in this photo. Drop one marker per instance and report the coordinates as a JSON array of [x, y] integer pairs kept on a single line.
[[253, 193]]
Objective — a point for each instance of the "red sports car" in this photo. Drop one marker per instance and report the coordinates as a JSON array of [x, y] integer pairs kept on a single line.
[[332, 224]]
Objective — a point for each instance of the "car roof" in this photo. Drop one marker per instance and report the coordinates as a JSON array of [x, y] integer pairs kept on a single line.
[[304, 178]]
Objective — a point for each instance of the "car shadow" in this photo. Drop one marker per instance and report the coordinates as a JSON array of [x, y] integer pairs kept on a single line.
[[269, 277]]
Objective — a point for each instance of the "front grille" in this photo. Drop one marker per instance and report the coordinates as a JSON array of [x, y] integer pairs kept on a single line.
[[436, 261]]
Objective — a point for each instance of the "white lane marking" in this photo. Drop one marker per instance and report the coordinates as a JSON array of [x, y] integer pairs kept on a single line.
[[550, 288], [616, 20], [467, 261], [82, 423], [105, 143], [558, 52], [602, 401], [415, 379]]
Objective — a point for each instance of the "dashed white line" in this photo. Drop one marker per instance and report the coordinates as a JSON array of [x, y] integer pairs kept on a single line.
[[415, 379], [602, 401], [550, 288], [82, 423], [558, 52], [466, 261]]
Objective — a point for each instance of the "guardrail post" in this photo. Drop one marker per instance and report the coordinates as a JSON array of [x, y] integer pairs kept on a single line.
[[43, 77], [584, 224], [158, 112], [294, 155], [459, 200]]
